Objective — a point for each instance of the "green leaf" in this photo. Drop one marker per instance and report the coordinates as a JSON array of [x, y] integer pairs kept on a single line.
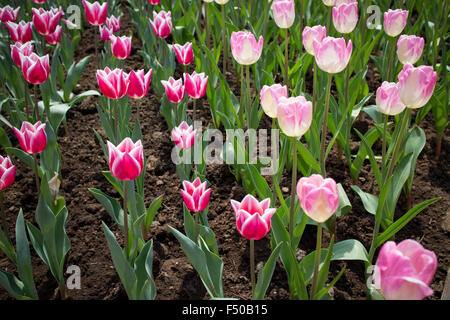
[[111, 205], [259, 182], [265, 275], [344, 203], [349, 249], [370, 202]]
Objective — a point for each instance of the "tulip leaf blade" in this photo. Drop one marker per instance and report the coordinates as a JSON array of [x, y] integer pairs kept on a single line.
[[265, 275]]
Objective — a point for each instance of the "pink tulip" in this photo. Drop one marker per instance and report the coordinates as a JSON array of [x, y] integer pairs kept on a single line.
[[405, 271], [388, 100], [96, 14], [184, 54], [7, 172], [317, 33], [105, 33], [195, 195], [120, 46], [395, 21], [18, 48], [32, 138], [245, 49], [45, 22], [126, 161], [162, 23], [332, 54], [409, 49], [184, 135], [195, 84], [69, 24], [174, 89], [21, 32], [319, 197], [54, 37], [113, 23], [345, 17], [39, 1], [283, 13], [154, 1], [253, 217], [113, 84], [269, 97], [294, 115], [9, 14], [35, 69], [139, 83], [416, 85]]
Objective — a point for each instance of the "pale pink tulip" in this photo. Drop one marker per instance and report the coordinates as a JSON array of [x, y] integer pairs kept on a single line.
[[45, 22], [20, 32], [184, 54], [174, 89], [395, 21], [332, 54], [245, 49], [222, 2], [113, 84], [345, 17], [184, 135], [409, 49], [195, 84], [7, 172], [283, 13], [294, 115], [310, 34], [96, 14], [269, 97], [126, 161], [416, 85], [388, 100], [195, 195], [120, 46], [139, 83], [18, 48], [32, 138], [161, 23], [337, 3], [328, 3], [35, 69]]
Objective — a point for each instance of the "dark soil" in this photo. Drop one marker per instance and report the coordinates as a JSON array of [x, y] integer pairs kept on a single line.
[[83, 162]]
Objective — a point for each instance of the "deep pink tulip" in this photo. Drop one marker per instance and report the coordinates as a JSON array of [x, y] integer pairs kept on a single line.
[[345, 17], [319, 197], [20, 32], [154, 1], [113, 83], [409, 49], [7, 172], [96, 14], [405, 271], [105, 33], [195, 195], [395, 21], [126, 161], [269, 97], [54, 37], [45, 22], [113, 23], [253, 217], [283, 13], [9, 14], [310, 34], [174, 89], [416, 85], [294, 115], [120, 46], [245, 49], [388, 100], [139, 83], [184, 54], [35, 69], [39, 1], [332, 54], [32, 138], [184, 135], [18, 48], [195, 84], [161, 23]]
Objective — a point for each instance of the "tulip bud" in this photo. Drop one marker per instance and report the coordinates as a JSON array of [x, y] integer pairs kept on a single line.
[[126, 161], [195, 84], [154, 1], [35, 69], [162, 23], [195, 195], [332, 55], [9, 14], [39, 1], [294, 115], [222, 2], [18, 48], [139, 84], [174, 89], [21, 32], [388, 100], [32, 138], [253, 218], [120, 46], [184, 54], [105, 33], [184, 135], [328, 3], [416, 85], [409, 49], [113, 84], [245, 49], [317, 33], [7, 172], [283, 13], [319, 197], [269, 97], [54, 37], [395, 21], [113, 23], [337, 3], [96, 14], [45, 22], [405, 271], [345, 17]]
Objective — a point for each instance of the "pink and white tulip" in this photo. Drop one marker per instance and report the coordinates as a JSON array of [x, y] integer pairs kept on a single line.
[[416, 85], [39, 1], [409, 49], [126, 161], [105, 33], [96, 14], [32, 138], [269, 97], [319, 197], [184, 54], [388, 100], [294, 115], [195, 84], [162, 23], [245, 49], [54, 37], [20, 32], [113, 84], [310, 34], [195, 195], [7, 172], [120, 46], [332, 54], [113, 23], [283, 13], [184, 135], [139, 83], [405, 271], [45, 22], [345, 17], [253, 218], [35, 69], [395, 21], [174, 89], [18, 49], [8, 13]]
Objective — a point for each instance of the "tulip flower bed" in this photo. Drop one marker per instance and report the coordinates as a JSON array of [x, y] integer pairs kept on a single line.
[[207, 230]]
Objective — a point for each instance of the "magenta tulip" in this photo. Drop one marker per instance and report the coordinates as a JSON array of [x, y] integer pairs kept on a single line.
[[120, 46], [39, 1], [113, 84], [174, 89], [20, 32], [96, 14], [345, 17], [405, 271], [283, 13], [32, 138], [253, 217], [416, 85], [195, 195], [45, 22], [309, 35], [7, 172], [245, 49], [395, 21], [154, 1], [294, 115], [18, 49], [105, 33], [269, 97], [113, 23], [162, 23], [139, 83], [388, 100], [184, 54], [195, 84], [319, 197], [54, 37], [126, 161], [9, 14], [35, 69], [409, 49], [332, 54], [184, 135]]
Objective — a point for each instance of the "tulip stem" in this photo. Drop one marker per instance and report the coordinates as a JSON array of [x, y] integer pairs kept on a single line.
[[62, 290], [36, 174], [330, 13], [274, 179], [36, 108], [383, 149], [249, 105], [252, 266], [286, 59], [194, 109], [125, 215], [293, 186], [324, 127], [2, 209], [208, 32], [241, 107], [96, 49], [317, 260], [116, 131], [348, 110], [197, 222], [391, 59], [266, 16], [314, 84], [224, 32]]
